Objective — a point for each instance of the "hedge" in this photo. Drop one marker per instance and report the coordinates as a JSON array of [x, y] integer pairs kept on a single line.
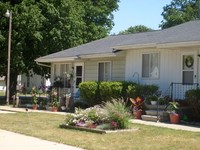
[[94, 93]]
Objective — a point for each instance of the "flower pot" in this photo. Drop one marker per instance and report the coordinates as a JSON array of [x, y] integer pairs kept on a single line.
[[137, 114], [63, 107], [34, 107], [153, 102], [174, 118], [54, 109]]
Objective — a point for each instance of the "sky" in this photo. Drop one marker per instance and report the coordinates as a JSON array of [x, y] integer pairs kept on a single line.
[[138, 12]]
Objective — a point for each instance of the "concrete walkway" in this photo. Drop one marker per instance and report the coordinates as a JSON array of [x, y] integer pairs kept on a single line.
[[12, 141], [15, 109], [168, 125]]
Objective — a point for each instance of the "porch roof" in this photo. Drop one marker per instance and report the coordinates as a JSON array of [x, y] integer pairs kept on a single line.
[[183, 34]]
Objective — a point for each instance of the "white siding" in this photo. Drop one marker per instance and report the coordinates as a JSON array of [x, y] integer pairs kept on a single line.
[[117, 68], [170, 67], [35, 80]]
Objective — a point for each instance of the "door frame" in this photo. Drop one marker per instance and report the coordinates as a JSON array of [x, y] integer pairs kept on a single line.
[[195, 66], [75, 65]]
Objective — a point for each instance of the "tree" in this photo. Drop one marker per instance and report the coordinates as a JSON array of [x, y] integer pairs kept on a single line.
[[179, 11], [42, 27], [135, 29]]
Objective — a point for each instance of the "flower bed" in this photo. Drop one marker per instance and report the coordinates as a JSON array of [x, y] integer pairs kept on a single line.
[[94, 130], [111, 116]]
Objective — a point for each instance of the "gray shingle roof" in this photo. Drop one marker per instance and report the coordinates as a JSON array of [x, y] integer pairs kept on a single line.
[[186, 32]]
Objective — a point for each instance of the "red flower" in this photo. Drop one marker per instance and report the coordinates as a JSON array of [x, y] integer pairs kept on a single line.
[[114, 124]]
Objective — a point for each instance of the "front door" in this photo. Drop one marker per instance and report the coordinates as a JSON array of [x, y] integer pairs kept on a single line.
[[188, 75], [78, 72], [189, 68]]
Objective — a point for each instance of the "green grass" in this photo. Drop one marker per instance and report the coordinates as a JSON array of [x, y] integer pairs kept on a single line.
[[46, 126], [2, 93]]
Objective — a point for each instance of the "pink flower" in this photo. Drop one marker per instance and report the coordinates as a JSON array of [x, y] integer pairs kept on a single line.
[[114, 124]]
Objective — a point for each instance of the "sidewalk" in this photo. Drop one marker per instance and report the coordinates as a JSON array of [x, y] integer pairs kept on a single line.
[[12, 141], [168, 125], [16, 109]]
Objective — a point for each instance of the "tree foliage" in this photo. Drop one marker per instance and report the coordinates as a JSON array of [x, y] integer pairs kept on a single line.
[[135, 29], [179, 11], [41, 27]]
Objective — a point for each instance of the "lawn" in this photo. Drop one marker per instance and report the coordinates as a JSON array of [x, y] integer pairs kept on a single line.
[[2, 93], [46, 126]]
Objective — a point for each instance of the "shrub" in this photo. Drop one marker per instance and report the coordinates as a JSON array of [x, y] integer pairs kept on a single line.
[[125, 93], [193, 99], [94, 93], [118, 113], [109, 90], [146, 90], [88, 92]]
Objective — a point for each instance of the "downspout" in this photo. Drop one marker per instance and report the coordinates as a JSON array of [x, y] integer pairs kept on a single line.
[[40, 64]]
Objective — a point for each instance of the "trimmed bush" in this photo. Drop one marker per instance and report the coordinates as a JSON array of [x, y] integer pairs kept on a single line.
[[127, 89], [193, 99], [95, 93], [109, 90], [88, 92], [145, 90]]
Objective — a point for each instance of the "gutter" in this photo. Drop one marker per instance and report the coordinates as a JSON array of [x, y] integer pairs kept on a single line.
[[45, 65]]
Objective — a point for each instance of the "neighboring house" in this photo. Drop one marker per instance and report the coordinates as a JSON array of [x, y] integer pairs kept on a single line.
[[168, 58], [2, 84], [27, 82], [30, 81]]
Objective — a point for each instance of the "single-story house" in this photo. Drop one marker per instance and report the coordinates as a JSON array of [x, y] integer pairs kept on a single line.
[[168, 58]]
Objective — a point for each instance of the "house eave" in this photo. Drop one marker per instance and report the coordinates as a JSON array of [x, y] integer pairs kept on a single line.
[[97, 55], [135, 46], [158, 45], [179, 44], [77, 57], [49, 60]]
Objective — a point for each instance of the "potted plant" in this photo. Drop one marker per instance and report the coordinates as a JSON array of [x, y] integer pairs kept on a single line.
[[136, 107], [34, 98], [153, 99], [54, 100], [173, 108]]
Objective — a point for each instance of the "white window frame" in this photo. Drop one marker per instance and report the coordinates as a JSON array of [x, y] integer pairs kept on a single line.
[[104, 62], [158, 67]]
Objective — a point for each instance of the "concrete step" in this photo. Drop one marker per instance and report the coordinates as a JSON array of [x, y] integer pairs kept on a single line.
[[154, 107], [149, 118], [164, 118], [154, 113]]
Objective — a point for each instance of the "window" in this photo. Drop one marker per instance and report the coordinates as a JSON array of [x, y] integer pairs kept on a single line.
[[188, 69], [104, 71], [79, 75], [150, 65]]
